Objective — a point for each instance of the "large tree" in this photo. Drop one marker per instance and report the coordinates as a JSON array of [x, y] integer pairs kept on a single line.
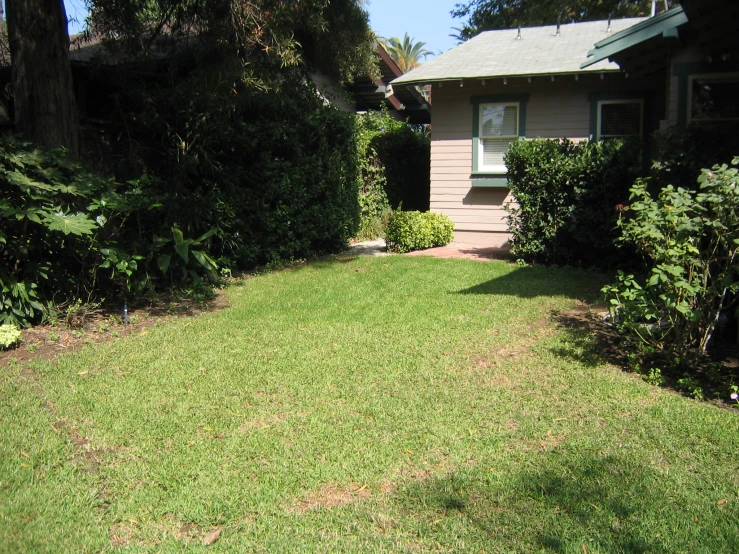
[[43, 93], [331, 35], [406, 53], [483, 15]]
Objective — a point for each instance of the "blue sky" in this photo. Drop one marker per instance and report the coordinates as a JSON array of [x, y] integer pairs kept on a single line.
[[76, 10], [428, 21]]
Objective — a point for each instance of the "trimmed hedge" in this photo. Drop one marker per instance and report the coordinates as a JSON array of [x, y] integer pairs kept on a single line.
[[568, 197], [276, 172], [413, 230]]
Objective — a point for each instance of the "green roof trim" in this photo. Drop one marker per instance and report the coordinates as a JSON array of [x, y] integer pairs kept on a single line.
[[663, 24]]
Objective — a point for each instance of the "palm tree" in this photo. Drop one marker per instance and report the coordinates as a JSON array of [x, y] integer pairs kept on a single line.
[[407, 54]]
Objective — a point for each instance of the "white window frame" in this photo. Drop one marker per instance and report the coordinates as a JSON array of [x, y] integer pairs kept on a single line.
[[692, 78], [481, 137], [601, 103]]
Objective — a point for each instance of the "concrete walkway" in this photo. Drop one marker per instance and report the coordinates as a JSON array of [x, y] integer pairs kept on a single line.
[[465, 250], [453, 250]]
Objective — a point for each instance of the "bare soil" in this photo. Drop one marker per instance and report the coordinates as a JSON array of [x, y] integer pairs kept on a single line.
[[54, 338]]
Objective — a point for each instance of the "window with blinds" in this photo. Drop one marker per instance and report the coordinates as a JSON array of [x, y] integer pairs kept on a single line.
[[498, 128], [620, 118]]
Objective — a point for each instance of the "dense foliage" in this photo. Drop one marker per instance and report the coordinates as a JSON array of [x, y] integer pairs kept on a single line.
[[394, 161], [67, 232], [567, 197], [680, 154], [414, 230], [484, 15], [690, 242], [331, 36], [275, 173]]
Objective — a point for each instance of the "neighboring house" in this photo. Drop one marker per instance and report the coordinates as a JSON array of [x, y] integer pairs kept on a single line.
[[367, 92], [372, 92], [643, 74]]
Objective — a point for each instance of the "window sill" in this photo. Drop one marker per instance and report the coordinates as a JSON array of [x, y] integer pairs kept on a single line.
[[488, 180]]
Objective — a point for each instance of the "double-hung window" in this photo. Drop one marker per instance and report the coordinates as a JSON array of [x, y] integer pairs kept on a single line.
[[498, 128], [498, 121]]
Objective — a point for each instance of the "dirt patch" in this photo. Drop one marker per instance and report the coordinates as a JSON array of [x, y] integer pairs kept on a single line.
[[67, 334], [264, 422], [330, 496], [191, 531]]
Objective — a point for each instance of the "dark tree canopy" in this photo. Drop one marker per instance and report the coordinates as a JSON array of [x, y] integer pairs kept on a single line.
[[330, 35], [484, 15]]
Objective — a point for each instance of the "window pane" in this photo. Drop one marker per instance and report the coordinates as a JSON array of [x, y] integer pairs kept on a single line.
[[715, 98], [621, 119], [494, 150], [499, 121]]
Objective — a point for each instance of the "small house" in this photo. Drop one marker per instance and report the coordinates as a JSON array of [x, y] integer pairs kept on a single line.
[[590, 80]]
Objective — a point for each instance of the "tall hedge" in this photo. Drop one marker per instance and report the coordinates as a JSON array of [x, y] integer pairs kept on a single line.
[[394, 161], [274, 170], [568, 195]]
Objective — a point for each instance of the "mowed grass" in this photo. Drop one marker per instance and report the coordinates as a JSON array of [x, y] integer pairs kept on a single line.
[[393, 404]]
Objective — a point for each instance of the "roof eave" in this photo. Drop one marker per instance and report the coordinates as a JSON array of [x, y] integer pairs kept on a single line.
[[453, 78], [663, 24]]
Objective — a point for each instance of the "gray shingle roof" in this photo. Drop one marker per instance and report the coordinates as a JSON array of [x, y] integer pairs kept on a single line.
[[539, 51]]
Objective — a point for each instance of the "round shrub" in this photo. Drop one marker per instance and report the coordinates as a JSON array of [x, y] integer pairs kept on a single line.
[[407, 231], [10, 336]]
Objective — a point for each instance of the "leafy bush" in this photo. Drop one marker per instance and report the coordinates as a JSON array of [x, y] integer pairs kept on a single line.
[[55, 217], [274, 171], [10, 336], [680, 154], [567, 194], [413, 230], [66, 232], [690, 242], [394, 170], [405, 152], [373, 202]]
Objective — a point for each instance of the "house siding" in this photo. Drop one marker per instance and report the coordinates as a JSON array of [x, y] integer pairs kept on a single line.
[[555, 109]]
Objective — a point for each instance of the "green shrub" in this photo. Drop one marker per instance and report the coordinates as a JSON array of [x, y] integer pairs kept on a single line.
[[567, 196], [405, 152], [680, 154], [10, 336], [56, 217], [690, 243], [413, 230], [274, 171], [67, 231], [394, 166]]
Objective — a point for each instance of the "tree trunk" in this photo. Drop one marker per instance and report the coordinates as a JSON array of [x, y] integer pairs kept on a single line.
[[43, 92]]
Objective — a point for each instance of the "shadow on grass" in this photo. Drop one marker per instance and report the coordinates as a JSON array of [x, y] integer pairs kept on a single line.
[[587, 340], [537, 281], [571, 502], [592, 343]]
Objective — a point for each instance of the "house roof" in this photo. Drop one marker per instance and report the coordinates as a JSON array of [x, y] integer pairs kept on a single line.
[[373, 91], [538, 51], [662, 25]]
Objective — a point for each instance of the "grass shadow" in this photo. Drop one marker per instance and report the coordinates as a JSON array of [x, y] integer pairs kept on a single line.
[[570, 501], [588, 340], [538, 281]]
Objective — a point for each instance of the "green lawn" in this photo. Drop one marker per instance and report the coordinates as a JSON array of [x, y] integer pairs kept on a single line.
[[391, 404]]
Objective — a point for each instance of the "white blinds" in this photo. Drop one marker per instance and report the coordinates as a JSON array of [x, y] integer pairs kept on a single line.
[[620, 119], [493, 151]]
